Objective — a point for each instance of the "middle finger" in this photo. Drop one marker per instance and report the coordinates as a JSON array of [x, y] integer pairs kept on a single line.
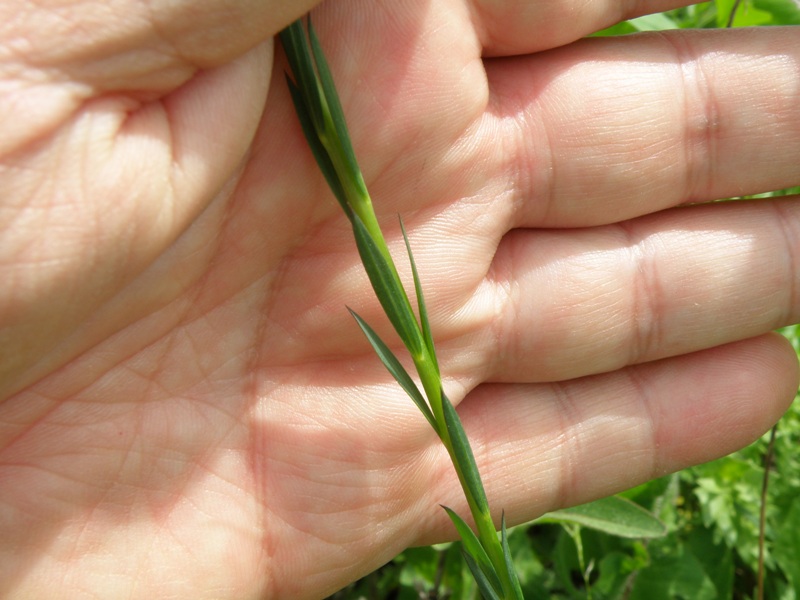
[[594, 300]]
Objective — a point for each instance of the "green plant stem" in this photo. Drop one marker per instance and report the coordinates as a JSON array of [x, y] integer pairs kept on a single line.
[[732, 16], [487, 532], [762, 517], [321, 117]]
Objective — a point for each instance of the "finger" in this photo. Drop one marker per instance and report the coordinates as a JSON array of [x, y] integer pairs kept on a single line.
[[508, 28], [607, 129], [594, 300], [159, 159], [80, 50], [111, 211], [547, 446]]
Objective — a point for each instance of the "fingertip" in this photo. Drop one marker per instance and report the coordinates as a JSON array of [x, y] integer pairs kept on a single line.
[[731, 396], [781, 356]]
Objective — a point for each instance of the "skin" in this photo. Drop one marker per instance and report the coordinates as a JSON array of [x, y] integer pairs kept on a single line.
[[188, 411]]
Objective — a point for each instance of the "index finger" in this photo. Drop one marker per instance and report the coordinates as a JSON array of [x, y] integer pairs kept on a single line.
[[608, 129]]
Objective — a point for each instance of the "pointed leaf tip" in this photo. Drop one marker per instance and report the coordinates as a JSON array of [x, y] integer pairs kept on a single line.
[[423, 310], [510, 571], [474, 548], [393, 365]]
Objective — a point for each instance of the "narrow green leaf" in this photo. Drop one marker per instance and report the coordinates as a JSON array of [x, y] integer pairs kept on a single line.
[[484, 586], [397, 370], [464, 459], [511, 572], [344, 145], [318, 150], [293, 39], [387, 288], [614, 515], [423, 312], [474, 548]]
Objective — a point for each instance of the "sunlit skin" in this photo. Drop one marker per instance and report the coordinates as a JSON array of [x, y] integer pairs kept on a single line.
[[188, 410]]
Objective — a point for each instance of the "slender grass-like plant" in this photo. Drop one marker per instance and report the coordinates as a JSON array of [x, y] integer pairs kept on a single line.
[[321, 117]]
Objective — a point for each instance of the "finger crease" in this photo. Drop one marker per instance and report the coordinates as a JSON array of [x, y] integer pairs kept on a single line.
[[569, 441], [702, 121], [646, 329], [651, 416], [791, 242]]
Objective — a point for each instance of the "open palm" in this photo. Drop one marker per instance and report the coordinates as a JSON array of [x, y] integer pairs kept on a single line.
[[189, 411]]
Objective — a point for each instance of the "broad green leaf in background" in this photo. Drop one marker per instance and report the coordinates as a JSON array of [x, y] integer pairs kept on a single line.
[[615, 570], [530, 569], [656, 22], [717, 560], [751, 13], [786, 549], [672, 577], [747, 15], [418, 570], [784, 12], [728, 490], [613, 515]]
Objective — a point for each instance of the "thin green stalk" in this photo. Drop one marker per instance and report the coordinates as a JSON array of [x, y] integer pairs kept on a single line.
[[732, 16], [320, 113], [762, 517]]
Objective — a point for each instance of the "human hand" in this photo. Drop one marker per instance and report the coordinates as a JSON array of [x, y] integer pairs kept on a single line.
[[189, 411]]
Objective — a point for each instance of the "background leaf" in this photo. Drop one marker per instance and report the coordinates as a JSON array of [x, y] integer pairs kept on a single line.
[[613, 515], [655, 22]]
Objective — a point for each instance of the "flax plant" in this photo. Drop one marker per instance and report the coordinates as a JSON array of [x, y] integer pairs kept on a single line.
[[320, 113]]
